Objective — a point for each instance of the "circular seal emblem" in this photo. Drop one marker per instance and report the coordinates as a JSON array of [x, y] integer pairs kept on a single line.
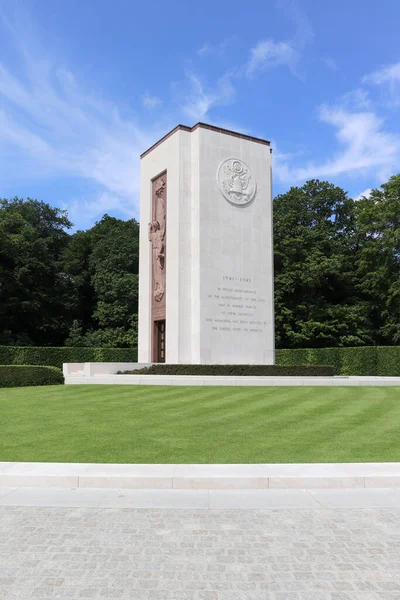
[[236, 182]]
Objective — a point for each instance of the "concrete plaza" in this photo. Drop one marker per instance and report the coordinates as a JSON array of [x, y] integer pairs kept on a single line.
[[258, 545]]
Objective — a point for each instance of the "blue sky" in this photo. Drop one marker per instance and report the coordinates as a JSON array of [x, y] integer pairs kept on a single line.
[[85, 87]]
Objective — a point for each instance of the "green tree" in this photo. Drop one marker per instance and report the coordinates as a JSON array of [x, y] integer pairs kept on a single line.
[[76, 264], [104, 265], [378, 258], [316, 301], [35, 294], [115, 267]]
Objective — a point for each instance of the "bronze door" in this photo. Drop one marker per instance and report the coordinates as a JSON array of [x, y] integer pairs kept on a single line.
[[161, 341]]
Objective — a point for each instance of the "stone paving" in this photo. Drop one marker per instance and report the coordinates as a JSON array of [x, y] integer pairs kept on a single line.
[[153, 554]]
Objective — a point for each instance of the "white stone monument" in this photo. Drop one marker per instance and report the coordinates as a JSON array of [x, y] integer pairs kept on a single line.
[[206, 249]]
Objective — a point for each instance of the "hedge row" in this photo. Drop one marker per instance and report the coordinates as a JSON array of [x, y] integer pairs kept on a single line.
[[55, 357], [367, 360], [236, 370], [379, 361], [24, 375]]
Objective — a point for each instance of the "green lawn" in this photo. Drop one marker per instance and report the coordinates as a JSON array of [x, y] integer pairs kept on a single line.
[[132, 424]]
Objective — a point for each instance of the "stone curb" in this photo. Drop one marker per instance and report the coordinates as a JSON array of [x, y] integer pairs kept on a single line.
[[206, 380], [200, 477]]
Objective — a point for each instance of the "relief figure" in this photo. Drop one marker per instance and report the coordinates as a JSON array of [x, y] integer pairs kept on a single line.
[[156, 237]]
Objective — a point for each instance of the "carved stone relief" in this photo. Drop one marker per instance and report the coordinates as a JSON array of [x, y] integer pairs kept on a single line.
[[157, 230], [236, 182]]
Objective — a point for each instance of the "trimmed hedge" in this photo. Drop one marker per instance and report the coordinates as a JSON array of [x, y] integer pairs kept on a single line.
[[55, 357], [378, 361], [26, 375], [364, 360], [236, 370]]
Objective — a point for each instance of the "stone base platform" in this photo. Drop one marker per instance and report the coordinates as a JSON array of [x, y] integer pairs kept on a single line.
[[200, 477], [201, 380], [106, 374]]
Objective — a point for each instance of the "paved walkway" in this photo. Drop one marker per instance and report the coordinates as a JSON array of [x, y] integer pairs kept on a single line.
[[313, 553], [201, 499]]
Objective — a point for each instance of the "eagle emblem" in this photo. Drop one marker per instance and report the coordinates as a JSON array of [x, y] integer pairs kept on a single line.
[[236, 182]]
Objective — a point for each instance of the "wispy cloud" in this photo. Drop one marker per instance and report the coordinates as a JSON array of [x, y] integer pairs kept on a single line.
[[88, 208], [388, 74], [365, 194], [267, 53], [331, 63], [294, 11], [200, 98], [355, 132], [389, 78], [150, 101], [356, 99], [219, 49]]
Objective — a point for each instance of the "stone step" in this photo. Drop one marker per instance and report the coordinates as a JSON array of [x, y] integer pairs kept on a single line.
[[196, 476]]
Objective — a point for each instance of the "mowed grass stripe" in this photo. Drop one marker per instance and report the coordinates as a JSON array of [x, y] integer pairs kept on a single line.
[[199, 424], [384, 436], [343, 425], [238, 403]]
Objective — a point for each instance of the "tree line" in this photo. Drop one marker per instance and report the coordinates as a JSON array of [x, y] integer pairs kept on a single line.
[[337, 272]]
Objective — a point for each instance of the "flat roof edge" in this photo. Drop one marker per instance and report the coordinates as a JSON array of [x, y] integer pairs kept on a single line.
[[209, 127]]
